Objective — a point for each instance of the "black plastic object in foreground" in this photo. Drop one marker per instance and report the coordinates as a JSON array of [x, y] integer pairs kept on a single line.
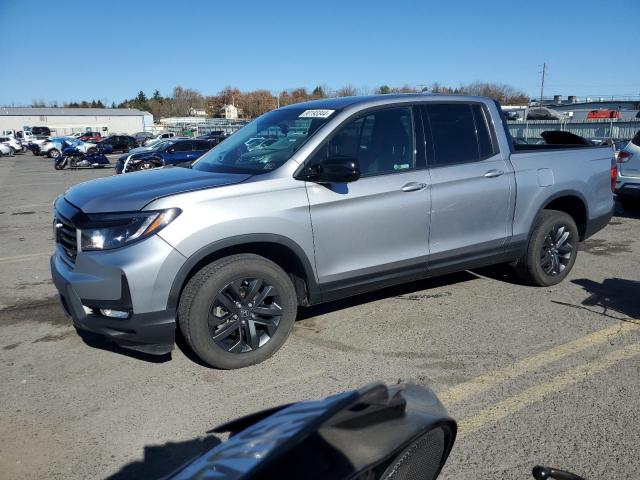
[[400, 432], [542, 473]]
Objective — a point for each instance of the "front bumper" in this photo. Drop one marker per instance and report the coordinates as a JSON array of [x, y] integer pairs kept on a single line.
[[135, 279]]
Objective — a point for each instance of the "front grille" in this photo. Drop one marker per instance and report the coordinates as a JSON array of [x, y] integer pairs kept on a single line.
[[66, 237]]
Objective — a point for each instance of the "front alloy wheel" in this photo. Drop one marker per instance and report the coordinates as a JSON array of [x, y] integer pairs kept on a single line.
[[244, 315], [237, 311]]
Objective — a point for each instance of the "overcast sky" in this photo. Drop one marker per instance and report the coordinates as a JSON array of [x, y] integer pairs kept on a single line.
[[109, 50]]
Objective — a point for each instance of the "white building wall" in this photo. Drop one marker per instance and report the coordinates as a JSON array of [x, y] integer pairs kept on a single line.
[[67, 124]]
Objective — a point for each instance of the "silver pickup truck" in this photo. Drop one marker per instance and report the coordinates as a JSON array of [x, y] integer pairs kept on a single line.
[[352, 194]]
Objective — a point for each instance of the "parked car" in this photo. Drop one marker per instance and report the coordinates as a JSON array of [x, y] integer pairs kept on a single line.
[[14, 145], [161, 136], [168, 153], [215, 137], [602, 114], [54, 145], [4, 149], [91, 137], [378, 190], [628, 181], [511, 115], [544, 113], [41, 131], [142, 137], [120, 143], [35, 143]]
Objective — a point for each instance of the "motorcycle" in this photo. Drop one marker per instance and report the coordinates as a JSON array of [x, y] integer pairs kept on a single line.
[[376, 432], [71, 156]]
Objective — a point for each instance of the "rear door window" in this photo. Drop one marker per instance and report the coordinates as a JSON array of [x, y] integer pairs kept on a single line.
[[453, 132], [202, 146]]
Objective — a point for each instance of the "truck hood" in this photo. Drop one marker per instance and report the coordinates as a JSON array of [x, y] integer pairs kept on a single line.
[[131, 192]]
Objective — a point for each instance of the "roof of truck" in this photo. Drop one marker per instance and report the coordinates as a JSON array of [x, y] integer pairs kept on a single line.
[[342, 102]]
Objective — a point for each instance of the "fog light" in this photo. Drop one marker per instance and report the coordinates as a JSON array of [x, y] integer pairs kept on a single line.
[[87, 310], [107, 312]]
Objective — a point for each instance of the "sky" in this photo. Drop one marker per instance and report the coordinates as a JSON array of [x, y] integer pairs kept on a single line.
[[67, 50]]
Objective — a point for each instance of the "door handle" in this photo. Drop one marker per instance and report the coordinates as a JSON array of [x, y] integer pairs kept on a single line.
[[413, 187], [494, 173]]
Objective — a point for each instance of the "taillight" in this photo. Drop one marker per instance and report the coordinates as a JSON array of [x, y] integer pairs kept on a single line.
[[614, 174], [623, 156]]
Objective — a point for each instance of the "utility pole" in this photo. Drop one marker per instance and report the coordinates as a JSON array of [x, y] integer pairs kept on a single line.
[[544, 70]]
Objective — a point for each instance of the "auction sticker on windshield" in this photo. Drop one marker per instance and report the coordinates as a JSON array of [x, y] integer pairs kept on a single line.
[[316, 113]]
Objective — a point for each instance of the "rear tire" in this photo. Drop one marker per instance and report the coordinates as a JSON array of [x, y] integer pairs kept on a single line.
[[54, 153], [202, 314], [552, 249]]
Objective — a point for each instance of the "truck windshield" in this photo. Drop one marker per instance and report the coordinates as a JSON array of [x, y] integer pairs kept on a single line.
[[266, 143]]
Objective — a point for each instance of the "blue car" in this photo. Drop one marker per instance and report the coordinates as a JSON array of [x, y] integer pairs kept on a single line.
[[172, 152]]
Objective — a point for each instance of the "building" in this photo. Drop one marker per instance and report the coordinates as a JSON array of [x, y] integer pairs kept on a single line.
[[229, 112], [65, 121]]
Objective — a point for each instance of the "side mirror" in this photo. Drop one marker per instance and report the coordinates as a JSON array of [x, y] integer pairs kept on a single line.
[[338, 169], [171, 150]]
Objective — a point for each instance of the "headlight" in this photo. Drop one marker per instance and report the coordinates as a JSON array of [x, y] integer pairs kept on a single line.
[[116, 230]]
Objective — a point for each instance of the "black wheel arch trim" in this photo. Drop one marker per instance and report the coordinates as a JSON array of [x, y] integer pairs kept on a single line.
[[565, 193], [185, 272]]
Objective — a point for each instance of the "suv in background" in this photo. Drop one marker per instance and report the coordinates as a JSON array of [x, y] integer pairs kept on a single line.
[[91, 137], [120, 143], [170, 153], [15, 146], [628, 181]]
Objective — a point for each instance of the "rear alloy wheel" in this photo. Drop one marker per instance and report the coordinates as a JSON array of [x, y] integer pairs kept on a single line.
[[237, 311], [552, 249]]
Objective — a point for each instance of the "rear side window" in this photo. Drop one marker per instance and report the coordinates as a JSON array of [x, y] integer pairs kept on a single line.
[[460, 133], [636, 139], [485, 141], [453, 133], [182, 147], [200, 145]]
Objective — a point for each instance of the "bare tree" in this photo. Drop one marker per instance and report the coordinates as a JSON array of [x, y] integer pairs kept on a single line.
[[347, 91]]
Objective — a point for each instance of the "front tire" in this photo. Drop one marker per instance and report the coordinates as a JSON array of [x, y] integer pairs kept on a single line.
[[237, 311], [145, 165], [552, 249], [54, 153]]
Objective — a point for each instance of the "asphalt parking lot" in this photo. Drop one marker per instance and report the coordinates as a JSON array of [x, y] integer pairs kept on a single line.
[[533, 375]]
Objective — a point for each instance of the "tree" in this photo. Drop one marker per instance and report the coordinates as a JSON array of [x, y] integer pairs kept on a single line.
[[113, 105], [141, 98], [319, 92], [347, 91], [256, 103], [99, 104], [184, 101], [156, 95], [383, 89], [505, 94]]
